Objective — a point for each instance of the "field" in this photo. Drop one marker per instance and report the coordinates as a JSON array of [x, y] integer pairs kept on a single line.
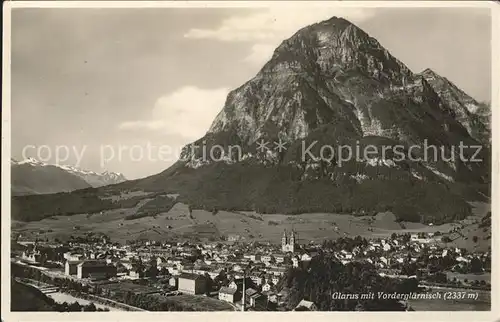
[[470, 227], [200, 303], [180, 223], [124, 287], [63, 297]]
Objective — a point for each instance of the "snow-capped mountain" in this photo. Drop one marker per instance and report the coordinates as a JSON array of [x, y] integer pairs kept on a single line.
[[32, 176], [95, 179]]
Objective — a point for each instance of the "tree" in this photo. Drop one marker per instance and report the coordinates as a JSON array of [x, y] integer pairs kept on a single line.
[[128, 297], [210, 283], [151, 271], [409, 269], [446, 239], [439, 277], [326, 275], [475, 265], [475, 239], [74, 307]]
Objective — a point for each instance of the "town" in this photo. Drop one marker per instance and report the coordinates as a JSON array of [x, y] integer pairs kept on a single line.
[[233, 274]]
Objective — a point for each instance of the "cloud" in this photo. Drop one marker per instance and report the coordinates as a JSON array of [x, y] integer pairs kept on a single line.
[[266, 29], [260, 53], [187, 112]]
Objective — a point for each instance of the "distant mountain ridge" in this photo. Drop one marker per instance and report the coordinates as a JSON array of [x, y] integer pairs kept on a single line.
[[31, 176]]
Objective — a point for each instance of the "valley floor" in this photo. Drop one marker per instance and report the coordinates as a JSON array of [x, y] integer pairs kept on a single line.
[[179, 224]]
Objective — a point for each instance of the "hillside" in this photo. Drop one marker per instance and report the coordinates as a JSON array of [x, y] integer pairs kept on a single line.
[[25, 298], [333, 86]]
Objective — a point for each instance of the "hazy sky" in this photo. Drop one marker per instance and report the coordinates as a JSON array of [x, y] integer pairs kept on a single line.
[[112, 84]]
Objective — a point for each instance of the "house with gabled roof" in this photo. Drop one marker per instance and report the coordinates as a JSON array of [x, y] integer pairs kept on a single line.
[[306, 306], [192, 283], [229, 294]]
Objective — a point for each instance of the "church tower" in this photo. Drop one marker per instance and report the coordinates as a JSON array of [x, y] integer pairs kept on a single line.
[[291, 246], [284, 242]]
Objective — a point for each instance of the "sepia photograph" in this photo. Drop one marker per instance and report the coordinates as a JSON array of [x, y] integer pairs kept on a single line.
[[248, 157]]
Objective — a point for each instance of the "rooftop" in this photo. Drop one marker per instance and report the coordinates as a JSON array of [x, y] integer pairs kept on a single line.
[[92, 263], [190, 276], [227, 290]]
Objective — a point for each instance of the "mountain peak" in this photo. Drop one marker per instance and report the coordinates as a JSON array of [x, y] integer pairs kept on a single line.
[[428, 71], [336, 21], [312, 79], [431, 74], [30, 161]]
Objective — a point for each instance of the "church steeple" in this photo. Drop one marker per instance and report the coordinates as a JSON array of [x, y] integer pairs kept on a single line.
[[284, 240], [288, 241]]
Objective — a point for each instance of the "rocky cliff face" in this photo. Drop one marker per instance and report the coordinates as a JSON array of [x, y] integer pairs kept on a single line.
[[308, 83], [474, 116], [333, 74]]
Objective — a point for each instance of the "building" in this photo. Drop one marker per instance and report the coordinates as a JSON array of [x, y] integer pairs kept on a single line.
[[276, 271], [252, 257], [267, 258], [71, 267], [267, 287], [95, 269], [257, 280], [234, 238], [289, 243], [160, 260], [253, 297], [173, 282], [229, 294], [192, 283], [306, 306], [34, 257], [135, 273], [73, 256], [237, 283], [279, 258]]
